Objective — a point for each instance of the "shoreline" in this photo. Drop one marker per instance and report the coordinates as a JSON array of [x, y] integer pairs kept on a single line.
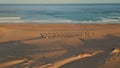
[[57, 23]]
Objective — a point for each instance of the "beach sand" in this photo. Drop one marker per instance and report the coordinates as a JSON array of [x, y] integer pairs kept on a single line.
[[47, 45]]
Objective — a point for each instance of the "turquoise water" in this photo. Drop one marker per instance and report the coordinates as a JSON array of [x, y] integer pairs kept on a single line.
[[72, 13]]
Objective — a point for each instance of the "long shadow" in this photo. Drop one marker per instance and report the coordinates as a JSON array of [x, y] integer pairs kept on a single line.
[[91, 62], [13, 50], [20, 49], [107, 44], [71, 50]]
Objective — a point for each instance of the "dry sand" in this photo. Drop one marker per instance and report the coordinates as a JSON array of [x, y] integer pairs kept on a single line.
[[45, 44]]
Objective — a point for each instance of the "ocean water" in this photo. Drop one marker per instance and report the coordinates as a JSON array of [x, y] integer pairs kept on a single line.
[[61, 13]]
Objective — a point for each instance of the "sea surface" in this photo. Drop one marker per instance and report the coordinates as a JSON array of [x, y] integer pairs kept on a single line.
[[59, 13]]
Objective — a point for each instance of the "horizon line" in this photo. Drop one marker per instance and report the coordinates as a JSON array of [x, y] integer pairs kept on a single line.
[[56, 4]]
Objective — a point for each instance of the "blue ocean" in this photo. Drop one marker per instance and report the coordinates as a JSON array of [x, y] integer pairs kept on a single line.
[[59, 13]]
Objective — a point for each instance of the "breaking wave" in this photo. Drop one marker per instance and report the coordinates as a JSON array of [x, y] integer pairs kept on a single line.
[[19, 20], [10, 18]]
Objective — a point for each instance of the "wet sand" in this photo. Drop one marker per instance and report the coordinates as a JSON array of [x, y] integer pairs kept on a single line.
[[46, 44]]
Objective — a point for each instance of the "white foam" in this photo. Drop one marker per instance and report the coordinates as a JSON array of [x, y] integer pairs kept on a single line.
[[10, 18], [15, 21], [18, 20], [109, 20], [51, 21]]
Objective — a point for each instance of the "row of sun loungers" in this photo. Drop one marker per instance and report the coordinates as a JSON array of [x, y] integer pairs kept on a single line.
[[66, 34]]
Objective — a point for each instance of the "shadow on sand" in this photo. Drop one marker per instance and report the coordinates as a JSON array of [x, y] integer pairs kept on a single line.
[[18, 49], [107, 44]]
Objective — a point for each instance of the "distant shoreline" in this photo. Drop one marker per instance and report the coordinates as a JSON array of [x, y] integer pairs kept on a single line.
[[66, 23], [66, 4]]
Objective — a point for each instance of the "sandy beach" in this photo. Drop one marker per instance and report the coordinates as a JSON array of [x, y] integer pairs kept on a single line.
[[37, 45]]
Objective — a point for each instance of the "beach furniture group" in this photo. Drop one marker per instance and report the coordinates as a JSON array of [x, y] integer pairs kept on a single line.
[[67, 35]]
